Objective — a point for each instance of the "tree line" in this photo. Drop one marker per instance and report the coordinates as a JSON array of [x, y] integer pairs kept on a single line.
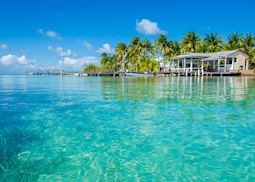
[[143, 55]]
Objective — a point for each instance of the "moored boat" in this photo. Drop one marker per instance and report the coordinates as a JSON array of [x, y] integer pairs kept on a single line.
[[138, 74]]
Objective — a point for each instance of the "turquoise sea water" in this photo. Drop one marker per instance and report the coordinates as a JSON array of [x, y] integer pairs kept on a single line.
[[127, 129]]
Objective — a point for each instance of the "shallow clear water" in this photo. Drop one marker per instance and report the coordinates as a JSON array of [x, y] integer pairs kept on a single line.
[[127, 129]]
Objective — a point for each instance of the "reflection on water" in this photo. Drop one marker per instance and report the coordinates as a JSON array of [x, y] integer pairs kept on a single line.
[[127, 129], [178, 88]]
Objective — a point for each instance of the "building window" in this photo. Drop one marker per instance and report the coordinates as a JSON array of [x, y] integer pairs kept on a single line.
[[229, 61], [222, 63], [180, 64]]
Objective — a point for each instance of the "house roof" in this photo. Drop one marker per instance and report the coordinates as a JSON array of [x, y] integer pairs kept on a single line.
[[191, 55], [210, 56]]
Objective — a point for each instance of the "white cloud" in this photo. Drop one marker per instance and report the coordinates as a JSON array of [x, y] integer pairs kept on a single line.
[[22, 60], [11, 59], [20, 64], [3, 46], [106, 48], [8, 59], [49, 33], [78, 63], [148, 27], [12, 63], [59, 51]]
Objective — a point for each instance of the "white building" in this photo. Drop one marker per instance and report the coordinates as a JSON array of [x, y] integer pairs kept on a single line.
[[226, 61]]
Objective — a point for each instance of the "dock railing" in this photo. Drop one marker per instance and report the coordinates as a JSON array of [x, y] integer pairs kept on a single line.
[[197, 71]]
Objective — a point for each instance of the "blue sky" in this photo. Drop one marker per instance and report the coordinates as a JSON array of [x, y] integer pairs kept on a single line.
[[67, 34]]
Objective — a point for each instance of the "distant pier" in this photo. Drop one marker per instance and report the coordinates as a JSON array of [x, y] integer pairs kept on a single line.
[[60, 72]]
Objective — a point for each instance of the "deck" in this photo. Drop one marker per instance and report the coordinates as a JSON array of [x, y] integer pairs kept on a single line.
[[196, 73], [168, 73]]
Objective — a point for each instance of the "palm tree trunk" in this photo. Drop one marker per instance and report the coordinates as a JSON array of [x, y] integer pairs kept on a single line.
[[122, 69]]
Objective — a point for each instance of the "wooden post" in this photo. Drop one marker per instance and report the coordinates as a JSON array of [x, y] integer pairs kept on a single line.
[[172, 64], [202, 68], [123, 64], [178, 66], [218, 65], [184, 64], [225, 64], [233, 64], [191, 64]]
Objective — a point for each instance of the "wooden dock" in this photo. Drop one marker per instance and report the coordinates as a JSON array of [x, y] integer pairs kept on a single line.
[[196, 73], [168, 73], [222, 73]]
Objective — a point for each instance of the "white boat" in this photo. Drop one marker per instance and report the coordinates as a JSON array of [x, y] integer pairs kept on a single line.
[[139, 74]]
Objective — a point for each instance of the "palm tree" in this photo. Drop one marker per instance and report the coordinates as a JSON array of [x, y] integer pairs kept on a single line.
[[121, 52], [90, 68], [163, 48], [213, 43], [135, 51], [109, 62], [104, 62], [148, 47], [163, 44], [248, 45], [191, 42], [144, 60], [147, 63], [115, 63], [234, 42], [139, 54], [174, 50]]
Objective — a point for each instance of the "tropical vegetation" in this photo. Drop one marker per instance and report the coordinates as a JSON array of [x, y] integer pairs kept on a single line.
[[143, 55], [91, 68]]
